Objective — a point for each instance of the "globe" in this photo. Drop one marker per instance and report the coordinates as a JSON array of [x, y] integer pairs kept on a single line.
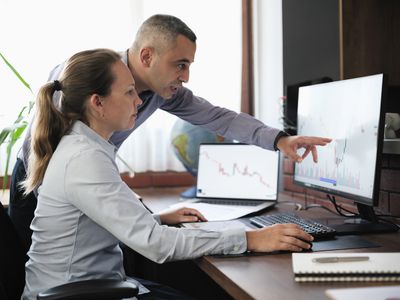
[[185, 140]]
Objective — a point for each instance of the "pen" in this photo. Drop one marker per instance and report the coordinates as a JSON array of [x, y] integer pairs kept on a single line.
[[335, 259]]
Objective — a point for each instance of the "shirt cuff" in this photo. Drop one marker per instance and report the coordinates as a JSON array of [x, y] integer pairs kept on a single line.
[[157, 218], [234, 241], [280, 134]]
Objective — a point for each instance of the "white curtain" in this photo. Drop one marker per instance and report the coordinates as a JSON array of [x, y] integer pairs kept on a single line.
[[38, 35], [268, 61]]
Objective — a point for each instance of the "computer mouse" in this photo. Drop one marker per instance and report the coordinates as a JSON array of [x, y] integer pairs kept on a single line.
[[309, 249], [308, 242]]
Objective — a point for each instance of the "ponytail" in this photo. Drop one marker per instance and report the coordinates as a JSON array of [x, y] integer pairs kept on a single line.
[[49, 127]]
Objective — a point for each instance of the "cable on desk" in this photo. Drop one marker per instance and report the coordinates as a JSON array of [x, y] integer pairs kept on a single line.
[[387, 221], [320, 206], [340, 208], [389, 216]]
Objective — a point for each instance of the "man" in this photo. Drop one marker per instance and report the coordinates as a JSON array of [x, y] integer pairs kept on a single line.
[[159, 60]]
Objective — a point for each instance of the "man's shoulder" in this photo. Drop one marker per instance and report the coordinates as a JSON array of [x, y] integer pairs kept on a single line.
[[56, 71]]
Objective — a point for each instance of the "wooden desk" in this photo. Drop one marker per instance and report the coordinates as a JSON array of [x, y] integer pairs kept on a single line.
[[268, 276]]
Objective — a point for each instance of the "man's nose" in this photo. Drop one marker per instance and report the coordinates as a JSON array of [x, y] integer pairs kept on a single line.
[[184, 76]]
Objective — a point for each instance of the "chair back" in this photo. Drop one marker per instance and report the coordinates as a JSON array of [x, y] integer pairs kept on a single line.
[[12, 259]]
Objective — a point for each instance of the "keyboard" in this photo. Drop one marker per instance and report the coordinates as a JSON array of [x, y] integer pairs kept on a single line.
[[317, 230]]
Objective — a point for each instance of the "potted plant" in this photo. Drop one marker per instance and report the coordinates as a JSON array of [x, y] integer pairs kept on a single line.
[[11, 134]]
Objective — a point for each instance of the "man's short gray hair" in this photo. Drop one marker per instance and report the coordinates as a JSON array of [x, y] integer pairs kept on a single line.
[[160, 32]]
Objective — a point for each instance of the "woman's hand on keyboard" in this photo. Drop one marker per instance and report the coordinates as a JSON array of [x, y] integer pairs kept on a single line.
[[287, 237]]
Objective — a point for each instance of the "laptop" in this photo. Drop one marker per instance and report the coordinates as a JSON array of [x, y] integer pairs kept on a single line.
[[234, 180]]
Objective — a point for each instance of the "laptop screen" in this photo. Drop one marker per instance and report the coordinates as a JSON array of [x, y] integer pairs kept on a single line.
[[237, 171]]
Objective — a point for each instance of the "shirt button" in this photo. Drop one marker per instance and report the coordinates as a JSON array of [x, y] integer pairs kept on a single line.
[[236, 248]]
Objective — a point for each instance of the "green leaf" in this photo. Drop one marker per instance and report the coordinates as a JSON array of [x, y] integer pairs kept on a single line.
[[3, 135], [16, 73], [9, 149], [19, 119], [15, 135], [12, 133], [18, 132], [31, 105], [14, 127], [5, 182], [21, 112]]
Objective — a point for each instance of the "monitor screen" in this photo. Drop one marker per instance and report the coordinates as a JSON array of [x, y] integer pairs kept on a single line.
[[350, 112]]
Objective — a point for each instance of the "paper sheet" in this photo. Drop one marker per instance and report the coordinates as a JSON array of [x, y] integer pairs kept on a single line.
[[215, 212]]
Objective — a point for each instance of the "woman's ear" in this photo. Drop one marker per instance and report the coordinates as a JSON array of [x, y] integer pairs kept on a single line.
[[96, 103]]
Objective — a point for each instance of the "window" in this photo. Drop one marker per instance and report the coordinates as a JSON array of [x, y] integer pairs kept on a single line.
[[38, 35]]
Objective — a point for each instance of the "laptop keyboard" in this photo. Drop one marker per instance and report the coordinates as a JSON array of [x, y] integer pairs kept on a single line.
[[231, 202], [316, 229]]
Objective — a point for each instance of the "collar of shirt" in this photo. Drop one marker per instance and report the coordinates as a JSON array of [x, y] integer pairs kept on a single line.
[[81, 128], [124, 56]]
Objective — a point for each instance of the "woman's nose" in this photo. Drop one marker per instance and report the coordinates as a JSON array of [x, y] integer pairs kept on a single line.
[[138, 101]]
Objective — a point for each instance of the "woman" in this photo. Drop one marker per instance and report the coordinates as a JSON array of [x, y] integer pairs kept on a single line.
[[85, 209]]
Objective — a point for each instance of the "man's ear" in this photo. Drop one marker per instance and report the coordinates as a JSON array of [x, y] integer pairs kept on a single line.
[[146, 55]]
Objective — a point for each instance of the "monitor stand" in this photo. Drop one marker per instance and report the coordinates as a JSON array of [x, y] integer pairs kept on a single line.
[[367, 223]]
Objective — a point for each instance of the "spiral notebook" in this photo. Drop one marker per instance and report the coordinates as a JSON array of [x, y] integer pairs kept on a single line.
[[335, 266]]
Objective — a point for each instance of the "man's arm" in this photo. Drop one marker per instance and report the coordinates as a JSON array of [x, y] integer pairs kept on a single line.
[[241, 127]]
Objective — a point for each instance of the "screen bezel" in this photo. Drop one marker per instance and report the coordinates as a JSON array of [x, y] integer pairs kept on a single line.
[[378, 162]]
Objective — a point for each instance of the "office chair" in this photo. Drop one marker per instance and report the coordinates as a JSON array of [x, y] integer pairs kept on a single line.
[[12, 274]]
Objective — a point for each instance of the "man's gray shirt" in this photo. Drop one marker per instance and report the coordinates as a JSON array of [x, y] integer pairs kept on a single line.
[[84, 209]]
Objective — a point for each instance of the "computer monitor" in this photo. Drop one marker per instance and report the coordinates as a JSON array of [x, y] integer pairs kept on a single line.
[[351, 113]]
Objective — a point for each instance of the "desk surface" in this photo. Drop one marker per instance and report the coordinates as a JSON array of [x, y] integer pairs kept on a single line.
[[270, 275]]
